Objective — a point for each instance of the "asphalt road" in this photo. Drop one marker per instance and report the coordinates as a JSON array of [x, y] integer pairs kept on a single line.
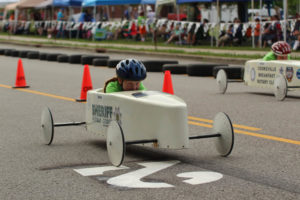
[[264, 164]]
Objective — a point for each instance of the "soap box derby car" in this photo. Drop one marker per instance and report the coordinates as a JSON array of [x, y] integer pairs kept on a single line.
[[140, 117], [279, 75]]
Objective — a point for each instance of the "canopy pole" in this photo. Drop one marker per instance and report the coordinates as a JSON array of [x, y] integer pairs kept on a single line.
[[211, 29], [261, 27], [95, 10], [284, 18], [252, 28], [16, 20], [70, 16], [218, 23], [107, 10], [178, 19]]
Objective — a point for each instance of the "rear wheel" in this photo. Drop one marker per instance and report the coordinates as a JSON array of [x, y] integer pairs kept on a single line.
[[280, 87]]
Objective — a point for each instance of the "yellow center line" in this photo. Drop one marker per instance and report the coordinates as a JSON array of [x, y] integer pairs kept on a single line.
[[268, 137], [234, 125], [5, 86], [189, 122], [251, 134], [200, 124], [40, 93], [46, 94]]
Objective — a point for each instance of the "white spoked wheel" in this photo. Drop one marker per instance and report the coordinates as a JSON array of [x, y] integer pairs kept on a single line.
[[47, 127], [222, 125], [115, 143], [280, 87], [222, 81]]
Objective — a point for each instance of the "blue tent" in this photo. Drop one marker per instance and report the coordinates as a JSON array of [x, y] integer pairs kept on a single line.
[[148, 1], [66, 3], [109, 2]]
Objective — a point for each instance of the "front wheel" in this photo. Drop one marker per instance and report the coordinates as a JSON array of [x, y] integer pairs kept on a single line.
[[115, 143]]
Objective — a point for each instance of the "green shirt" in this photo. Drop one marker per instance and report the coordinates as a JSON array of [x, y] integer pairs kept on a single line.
[[114, 86], [271, 56]]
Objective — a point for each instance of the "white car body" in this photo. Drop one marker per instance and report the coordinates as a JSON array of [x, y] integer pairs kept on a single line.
[[142, 115], [259, 73]]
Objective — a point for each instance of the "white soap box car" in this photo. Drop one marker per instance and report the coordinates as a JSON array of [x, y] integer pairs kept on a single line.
[[140, 117], [279, 75]]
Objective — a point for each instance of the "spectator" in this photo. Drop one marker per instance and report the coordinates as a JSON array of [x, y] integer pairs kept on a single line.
[[238, 33], [277, 28], [134, 13], [162, 32], [201, 34], [176, 33], [296, 34], [127, 14], [227, 37], [59, 15], [60, 28], [141, 26], [191, 35], [257, 32], [268, 35], [150, 15]]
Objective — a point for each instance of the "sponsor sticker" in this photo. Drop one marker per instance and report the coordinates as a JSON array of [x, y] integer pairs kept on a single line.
[[298, 74], [289, 73]]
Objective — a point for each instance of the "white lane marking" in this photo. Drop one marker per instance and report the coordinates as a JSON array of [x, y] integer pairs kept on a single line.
[[94, 171], [132, 179], [200, 177]]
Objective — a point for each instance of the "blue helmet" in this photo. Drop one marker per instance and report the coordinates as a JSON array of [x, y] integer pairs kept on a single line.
[[131, 69]]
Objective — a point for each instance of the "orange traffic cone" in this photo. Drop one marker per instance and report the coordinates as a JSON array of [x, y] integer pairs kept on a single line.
[[168, 87], [86, 84], [20, 79]]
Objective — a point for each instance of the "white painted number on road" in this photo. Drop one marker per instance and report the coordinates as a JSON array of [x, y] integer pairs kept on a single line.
[[196, 178], [94, 171], [133, 179]]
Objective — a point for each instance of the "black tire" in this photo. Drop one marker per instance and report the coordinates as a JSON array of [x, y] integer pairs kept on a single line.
[[75, 59], [175, 68], [43, 56], [112, 63], [2, 51], [216, 69], [201, 69], [63, 58], [100, 62], [156, 65], [23, 54], [52, 57], [8, 52], [88, 60], [33, 55], [236, 72], [15, 53]]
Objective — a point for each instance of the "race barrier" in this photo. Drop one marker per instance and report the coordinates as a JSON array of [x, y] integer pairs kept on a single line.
[[109, 27]]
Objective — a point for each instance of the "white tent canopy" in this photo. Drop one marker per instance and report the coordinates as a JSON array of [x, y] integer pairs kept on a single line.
[[3, 3], [44, 4]]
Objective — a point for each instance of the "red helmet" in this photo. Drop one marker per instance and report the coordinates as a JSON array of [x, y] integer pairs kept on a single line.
[[281, 48]]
